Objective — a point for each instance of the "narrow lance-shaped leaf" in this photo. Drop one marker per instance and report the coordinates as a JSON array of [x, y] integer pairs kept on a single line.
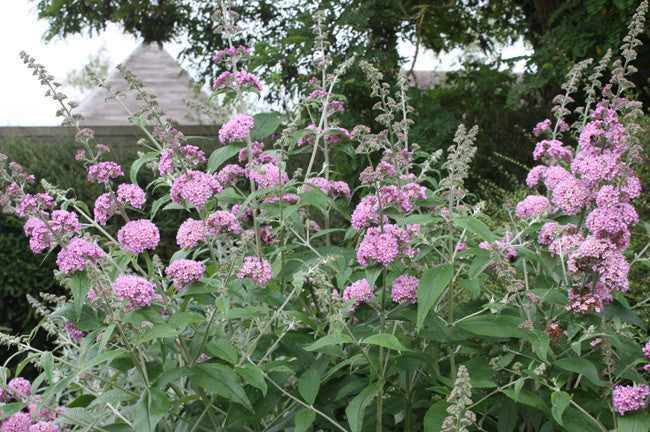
[[357, 407], [432, 285]]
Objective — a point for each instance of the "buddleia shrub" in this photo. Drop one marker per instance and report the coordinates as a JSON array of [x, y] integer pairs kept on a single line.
[[293, 301]]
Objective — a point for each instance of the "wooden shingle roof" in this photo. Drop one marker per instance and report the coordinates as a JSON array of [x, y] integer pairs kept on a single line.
[[161, 75]]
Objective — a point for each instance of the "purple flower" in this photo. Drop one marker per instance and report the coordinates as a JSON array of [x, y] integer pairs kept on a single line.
[[257, 270], [136, 236], [359, 290]]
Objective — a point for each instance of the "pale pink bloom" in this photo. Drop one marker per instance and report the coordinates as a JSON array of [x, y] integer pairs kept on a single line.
[[196, 187], [138, 290], [256, 270], [532, 205], [629, 398], [136, 236], [131, 194], [185, 272], [236, 129], [359, 290], [104, 171], [405, 289], [75, 256]]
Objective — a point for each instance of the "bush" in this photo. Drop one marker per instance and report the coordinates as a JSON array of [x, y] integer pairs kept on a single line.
[[286, 307]]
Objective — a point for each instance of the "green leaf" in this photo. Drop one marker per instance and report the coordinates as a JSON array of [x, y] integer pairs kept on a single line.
[[150, 409], [581, 366], [357, 407], [47, 362], [171, 375], [265, 124], [158, 331], [304, 419], [638, 421], [222, 381], [113, 397], [308, 385], [80, 415], [316, 198], [223, 349], [435, 416], [527, 398], [472, 224], [386, 340], [135, 167], [253, 375], [560, 401], [182, 318], [82, 401], [432, 285], [507, 419], [9, 409], [330, 339], [79, 285], [104, 357], [221, 155]]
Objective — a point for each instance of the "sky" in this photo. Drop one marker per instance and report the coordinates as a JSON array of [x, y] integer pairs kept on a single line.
[[23, 100]]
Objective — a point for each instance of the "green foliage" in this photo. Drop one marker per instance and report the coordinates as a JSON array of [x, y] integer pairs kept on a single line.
[[98, 64], [288, 326]]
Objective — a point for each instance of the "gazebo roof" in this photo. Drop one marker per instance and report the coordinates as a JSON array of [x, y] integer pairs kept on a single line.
[[161, 75]]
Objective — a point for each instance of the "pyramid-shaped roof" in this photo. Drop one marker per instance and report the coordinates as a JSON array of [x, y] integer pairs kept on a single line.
[[161, 75]]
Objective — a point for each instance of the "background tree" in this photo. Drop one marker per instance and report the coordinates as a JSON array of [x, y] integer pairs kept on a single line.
[[281, 33]]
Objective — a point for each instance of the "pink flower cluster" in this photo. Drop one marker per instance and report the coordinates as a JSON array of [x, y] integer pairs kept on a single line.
[[598, 183], [185, 272], [532, 205], [268, 175], [196, 187], [42, 426], [366, 212], [138, 290], [42, 235], [629, 398], [332, 188], [32, 204], [105, 207], [74, 332], [229, 175], [222, 222], [24, 422], [170, 136], [331, 135], [256, 270], [231, 53], [359, 290], [75, 256], [385, 245], [102, 172], [190, 233], [405, 289], [504, 246], [136, 236], [19, 388], [243, 79], [131, 194], [190, 155], [236, 129], [127, 194]]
